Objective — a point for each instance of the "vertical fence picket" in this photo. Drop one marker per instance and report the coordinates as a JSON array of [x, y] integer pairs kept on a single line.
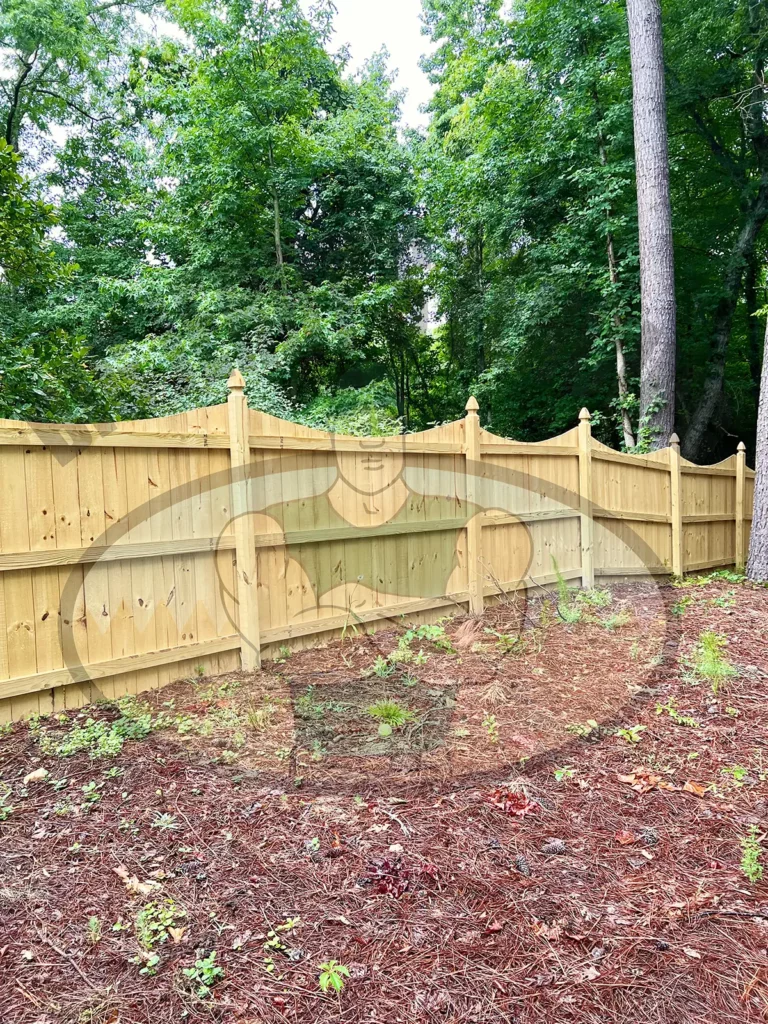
[[676, 506], [741, 486], [245, 540], [585, 488], [475, 573]]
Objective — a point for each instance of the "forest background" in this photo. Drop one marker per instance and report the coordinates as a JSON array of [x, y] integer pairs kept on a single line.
[[229, 193]]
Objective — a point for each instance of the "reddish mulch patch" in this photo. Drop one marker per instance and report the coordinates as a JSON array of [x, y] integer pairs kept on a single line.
[[483, 863]]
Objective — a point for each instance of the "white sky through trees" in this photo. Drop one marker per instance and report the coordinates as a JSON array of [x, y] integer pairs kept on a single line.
[[367, 25]]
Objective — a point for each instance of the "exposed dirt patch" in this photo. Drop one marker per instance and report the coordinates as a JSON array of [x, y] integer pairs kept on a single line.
[[550, 831]]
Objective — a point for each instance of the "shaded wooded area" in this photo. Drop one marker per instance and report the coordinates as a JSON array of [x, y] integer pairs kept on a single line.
[[223, 192]]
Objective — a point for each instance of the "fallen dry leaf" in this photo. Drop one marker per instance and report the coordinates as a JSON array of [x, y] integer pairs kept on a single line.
[[694, 954], [695, 788], [36, 776], [133, 884], [625, 837]]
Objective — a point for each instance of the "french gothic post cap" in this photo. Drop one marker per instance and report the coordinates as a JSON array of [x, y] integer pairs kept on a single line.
[[585, 414], [674, 439], [236, 381], [472, 405], [741, 447]]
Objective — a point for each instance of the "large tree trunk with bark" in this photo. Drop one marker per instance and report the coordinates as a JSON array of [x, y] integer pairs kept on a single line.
[[757, 568], [657, 263]]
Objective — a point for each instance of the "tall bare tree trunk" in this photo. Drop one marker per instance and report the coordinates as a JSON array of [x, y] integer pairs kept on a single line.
[[757, 568], [657, 263], [621, 361]]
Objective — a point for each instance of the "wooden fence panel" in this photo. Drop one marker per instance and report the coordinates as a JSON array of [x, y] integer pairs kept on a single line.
[[120, 544]]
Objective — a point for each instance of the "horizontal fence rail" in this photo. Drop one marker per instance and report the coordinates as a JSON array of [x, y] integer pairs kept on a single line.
[[134, 554]]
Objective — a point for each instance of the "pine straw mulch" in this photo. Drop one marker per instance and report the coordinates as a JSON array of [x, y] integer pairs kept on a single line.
[[448, 867]]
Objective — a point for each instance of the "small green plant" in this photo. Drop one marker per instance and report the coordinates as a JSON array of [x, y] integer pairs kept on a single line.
[[561, 774], [727, 600], [751, 855], [382, 668], [165, 822], [151, 963], [736, 772], [546, 613], [709, 661], [615, 621], [205, 974], [670, 708], [259, 716], [567, 607], [508, 643], [91, 794], [332, 975], [584, 730], [632, 733], [634, 651], [93, 927], [6, 809], [6, 728], [101, 738], [306, 706], [155, 920], [390, 714], [433, 634], [491, 727], [594, 598], [283, 655], [402, 654], [680, 606]]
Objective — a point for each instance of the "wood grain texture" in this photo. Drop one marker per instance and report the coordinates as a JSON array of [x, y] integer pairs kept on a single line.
[[121, 545]]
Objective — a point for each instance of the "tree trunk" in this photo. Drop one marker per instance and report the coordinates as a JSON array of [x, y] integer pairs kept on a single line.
[[276, 213], [613, 274], [621, 362], [657, 264], [757, 568], [754, 334]]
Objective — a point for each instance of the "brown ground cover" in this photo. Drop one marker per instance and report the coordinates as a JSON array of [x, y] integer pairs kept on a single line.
[[553, 832]]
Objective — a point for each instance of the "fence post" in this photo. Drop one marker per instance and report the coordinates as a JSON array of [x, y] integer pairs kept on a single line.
[[741, 486], [475, 523], [676, 505], [585, 492], [245, 539]]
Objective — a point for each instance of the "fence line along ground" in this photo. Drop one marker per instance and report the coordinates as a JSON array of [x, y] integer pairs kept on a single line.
[[133, 554]]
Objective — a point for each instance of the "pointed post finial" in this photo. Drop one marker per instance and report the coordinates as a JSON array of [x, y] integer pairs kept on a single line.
[[236, 381], [674, 441], [741, 447], [585, 414], [472, 405]]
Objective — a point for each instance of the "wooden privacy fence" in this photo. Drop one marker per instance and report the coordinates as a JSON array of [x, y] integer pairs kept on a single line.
[[133, 554]]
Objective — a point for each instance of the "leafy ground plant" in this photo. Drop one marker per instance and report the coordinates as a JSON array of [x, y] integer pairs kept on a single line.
[[390, 714], [631, 733], [332, 975], [205, 974], [709, 662], [751, 855], [670, 708], [156, 921], [101, 738]]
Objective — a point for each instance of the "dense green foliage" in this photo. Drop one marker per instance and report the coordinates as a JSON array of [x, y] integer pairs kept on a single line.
[[224, 192]]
